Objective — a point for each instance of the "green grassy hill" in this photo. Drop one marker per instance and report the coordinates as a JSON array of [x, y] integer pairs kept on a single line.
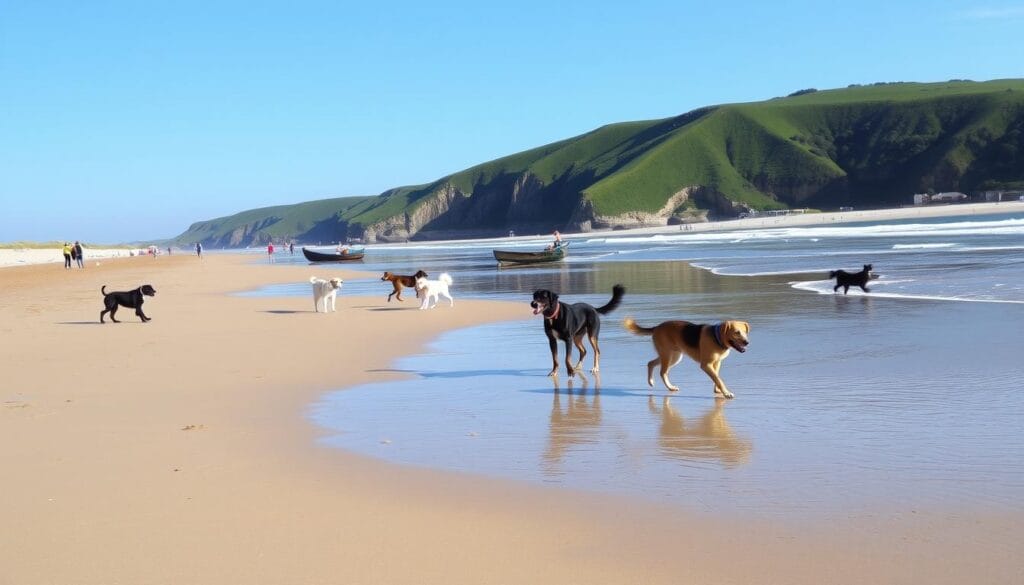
[[308, 222], [860, 146]]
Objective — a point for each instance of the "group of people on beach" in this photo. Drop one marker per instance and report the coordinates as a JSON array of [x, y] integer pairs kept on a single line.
[[290, 246], [73, 252]]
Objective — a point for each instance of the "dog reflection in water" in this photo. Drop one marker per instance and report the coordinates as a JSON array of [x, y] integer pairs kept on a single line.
[[707, 437], [576, 422]]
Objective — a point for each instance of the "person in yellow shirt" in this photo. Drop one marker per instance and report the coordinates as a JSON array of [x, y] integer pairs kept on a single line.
[[67, 256]]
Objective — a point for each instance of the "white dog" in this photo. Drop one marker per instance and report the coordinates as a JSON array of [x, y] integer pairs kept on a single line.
[[432, 288], [325, 290]]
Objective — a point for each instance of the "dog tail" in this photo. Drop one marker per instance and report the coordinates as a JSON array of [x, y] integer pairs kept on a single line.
[[103, 290], [445, 278], [617, 291], [312, 279], [832, 274], [635, 329]]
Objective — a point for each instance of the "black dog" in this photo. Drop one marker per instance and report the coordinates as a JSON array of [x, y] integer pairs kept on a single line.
[[131, 299], [847, 279], [570, 322]]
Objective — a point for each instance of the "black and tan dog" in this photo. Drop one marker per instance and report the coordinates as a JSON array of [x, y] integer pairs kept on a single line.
[[708, 345], [131, 299], [398, 281], [569, 323], [847, 279]]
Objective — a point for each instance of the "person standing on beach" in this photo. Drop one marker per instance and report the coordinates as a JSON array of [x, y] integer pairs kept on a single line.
[[291, 248], [78, 254], [199, 250], [67, 256], [270, 252]]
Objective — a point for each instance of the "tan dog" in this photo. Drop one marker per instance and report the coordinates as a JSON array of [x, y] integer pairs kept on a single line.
[[708, 345]]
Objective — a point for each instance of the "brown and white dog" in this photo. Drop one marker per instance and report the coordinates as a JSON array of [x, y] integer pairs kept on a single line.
[[708, 345], [398, 281]]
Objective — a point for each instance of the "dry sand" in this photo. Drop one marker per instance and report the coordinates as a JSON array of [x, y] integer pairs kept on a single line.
[[177, 452]]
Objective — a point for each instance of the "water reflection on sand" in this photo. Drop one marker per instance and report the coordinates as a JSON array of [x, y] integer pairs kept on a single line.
[[843, 402]]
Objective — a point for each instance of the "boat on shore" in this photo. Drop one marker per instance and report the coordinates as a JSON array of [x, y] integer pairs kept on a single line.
[[314, 256], [505, 257]]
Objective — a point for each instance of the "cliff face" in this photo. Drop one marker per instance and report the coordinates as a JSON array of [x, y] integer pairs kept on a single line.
[[518, 202], [585, 218]]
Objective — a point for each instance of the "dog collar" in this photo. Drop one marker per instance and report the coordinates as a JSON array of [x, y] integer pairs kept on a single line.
[[717, 332], [554, 315]]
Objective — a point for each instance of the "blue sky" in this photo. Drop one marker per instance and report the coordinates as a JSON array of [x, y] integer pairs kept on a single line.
[[130, 120]]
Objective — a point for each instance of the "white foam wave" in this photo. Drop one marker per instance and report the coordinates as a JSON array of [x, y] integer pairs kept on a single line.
[[922, 246], [988, 248], [726, 271], [824, 287], [816, 233]]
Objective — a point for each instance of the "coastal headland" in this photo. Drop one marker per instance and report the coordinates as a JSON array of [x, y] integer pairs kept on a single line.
[[178, 451]]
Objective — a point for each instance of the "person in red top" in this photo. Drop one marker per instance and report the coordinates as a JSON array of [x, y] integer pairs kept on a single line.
[[270, 252]]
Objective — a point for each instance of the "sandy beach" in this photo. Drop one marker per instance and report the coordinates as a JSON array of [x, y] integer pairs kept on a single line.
[[179, 451]]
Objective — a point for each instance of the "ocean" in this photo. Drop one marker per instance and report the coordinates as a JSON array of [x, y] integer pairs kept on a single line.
[[909, 397]]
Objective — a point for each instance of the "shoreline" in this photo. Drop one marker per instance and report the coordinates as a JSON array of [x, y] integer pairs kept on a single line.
[[765, 222], [31, 256], [840, 217], [180, 450]]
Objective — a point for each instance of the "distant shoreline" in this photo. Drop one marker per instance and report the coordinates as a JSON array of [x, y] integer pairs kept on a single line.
[[29, 253], [834, 217], [766, 222]]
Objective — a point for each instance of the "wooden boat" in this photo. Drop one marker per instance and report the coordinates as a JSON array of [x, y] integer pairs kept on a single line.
[[505, 257], [313, 256]]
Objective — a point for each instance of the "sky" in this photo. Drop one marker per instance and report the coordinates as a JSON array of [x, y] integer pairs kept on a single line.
[[128, 121]]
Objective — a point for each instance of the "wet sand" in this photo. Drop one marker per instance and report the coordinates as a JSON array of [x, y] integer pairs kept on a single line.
[[846, 406], [179, 451]]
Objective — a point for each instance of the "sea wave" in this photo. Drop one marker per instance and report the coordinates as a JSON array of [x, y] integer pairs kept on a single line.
[[815, 234], [923, 246], [988, 248], [824, 287], [725, 271]]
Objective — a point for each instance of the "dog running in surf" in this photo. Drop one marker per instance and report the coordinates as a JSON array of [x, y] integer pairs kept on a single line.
[[847, 279]]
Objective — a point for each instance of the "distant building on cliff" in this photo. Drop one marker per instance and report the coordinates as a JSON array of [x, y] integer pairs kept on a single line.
[[948, 197], [995, 196]]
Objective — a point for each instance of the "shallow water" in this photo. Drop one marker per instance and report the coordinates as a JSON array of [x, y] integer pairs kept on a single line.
[[844, 403]]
